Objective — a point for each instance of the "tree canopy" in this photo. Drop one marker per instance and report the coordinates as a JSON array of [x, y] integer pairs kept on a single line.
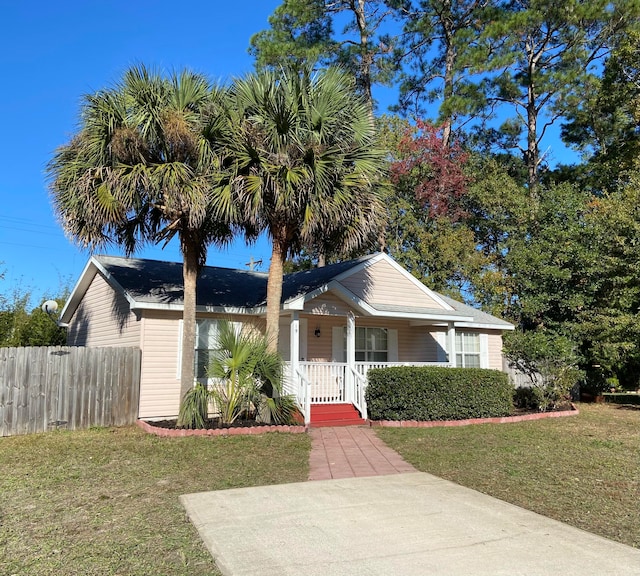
[[141, 169], [477, 206], [305, 167], [461, 181]]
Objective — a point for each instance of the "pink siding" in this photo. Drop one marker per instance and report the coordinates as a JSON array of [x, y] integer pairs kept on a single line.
[[320, 349], [103, 318], [160, 380], [495, 350], [383, 284], [327, 304], [415, 343]]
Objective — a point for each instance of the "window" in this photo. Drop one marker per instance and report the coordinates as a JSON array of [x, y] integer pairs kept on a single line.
[[468, 349], [372, 344], [206, 334]]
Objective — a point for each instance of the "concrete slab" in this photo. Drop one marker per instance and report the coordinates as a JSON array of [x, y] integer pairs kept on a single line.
[[404, 524]]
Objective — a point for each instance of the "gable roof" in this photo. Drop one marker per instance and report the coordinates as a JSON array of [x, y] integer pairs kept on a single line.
[[153, 284], [307, 282]]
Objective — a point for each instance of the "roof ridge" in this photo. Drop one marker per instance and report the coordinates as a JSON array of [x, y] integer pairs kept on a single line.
[[343, 263]]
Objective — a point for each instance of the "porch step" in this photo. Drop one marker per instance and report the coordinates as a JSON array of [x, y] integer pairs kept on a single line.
[[335, 415]]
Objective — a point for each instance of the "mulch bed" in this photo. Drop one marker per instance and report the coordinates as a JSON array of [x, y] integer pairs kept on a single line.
[[168, 428], [210, 424], [214, 427]]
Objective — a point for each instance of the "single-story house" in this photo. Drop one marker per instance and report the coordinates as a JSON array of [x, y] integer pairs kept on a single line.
[[336, 323]]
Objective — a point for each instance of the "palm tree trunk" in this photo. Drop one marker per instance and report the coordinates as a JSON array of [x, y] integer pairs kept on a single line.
[[274, 294], [190, 269]]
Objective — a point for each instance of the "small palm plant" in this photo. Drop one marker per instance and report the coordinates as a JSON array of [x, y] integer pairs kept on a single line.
[[194, 408], [247, 383]]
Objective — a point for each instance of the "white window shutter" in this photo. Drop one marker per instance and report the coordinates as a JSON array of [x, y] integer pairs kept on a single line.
[[179, 360], [392, 345], [337, 344], [441, 341], [484, 351]]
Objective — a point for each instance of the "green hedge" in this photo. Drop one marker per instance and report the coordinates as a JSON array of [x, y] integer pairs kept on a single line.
[[622, 398], [435, 393]]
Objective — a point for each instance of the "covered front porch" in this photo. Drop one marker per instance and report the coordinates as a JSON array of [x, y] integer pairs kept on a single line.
[[357, 346]]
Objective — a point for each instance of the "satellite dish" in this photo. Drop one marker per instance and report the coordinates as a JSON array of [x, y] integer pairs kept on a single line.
[[50, 306]]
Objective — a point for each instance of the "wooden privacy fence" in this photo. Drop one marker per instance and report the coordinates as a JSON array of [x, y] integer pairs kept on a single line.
[[520, 379], [47, 388]]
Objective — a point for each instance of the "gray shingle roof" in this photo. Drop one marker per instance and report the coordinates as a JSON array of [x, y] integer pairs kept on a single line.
[[418, 309], [479, 317], [154, 281], [158, 282]]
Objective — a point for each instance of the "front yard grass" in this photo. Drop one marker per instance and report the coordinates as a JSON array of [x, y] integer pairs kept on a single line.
[[583, 470], [105, 501]]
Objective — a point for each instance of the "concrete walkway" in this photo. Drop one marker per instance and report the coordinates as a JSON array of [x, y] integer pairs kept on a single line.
[[368, 513]]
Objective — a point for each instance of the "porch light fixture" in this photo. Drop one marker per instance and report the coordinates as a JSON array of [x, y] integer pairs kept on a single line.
[[317, 332]]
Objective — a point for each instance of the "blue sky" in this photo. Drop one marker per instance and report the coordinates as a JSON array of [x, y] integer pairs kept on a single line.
[[51, 53]]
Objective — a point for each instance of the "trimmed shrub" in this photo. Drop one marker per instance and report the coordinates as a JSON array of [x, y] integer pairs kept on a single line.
[[622, 398], [435, 393], [527, 398]]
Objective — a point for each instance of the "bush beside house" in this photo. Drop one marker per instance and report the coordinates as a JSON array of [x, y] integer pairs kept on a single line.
[[435, 393]]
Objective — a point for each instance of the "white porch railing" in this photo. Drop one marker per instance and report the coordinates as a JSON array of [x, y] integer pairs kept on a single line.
[[364, 367], [328, 381], [336, 382], [359, 386], [304, 396]]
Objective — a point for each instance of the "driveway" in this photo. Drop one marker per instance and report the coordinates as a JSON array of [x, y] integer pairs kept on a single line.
[[403, 524]]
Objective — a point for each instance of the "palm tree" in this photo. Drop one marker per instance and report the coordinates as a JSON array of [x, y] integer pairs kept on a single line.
[[306, 167], [141, 169], [247, 381]]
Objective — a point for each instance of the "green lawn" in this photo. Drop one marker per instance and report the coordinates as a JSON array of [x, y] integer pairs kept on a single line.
[[105, 501], [583, 470]]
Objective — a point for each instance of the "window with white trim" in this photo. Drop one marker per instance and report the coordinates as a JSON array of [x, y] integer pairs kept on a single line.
[[468, 350], [206, 335], [207, 330], [372, 344]]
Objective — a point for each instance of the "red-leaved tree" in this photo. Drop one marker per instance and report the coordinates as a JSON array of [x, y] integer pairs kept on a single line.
[[434, 170]]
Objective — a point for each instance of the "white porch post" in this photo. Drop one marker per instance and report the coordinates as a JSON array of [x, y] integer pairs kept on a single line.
[[451, 344], [294, 342], [351, 356], [294, 358]]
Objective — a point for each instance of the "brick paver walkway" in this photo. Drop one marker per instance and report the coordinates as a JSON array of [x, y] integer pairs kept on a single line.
[[350, 452]]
